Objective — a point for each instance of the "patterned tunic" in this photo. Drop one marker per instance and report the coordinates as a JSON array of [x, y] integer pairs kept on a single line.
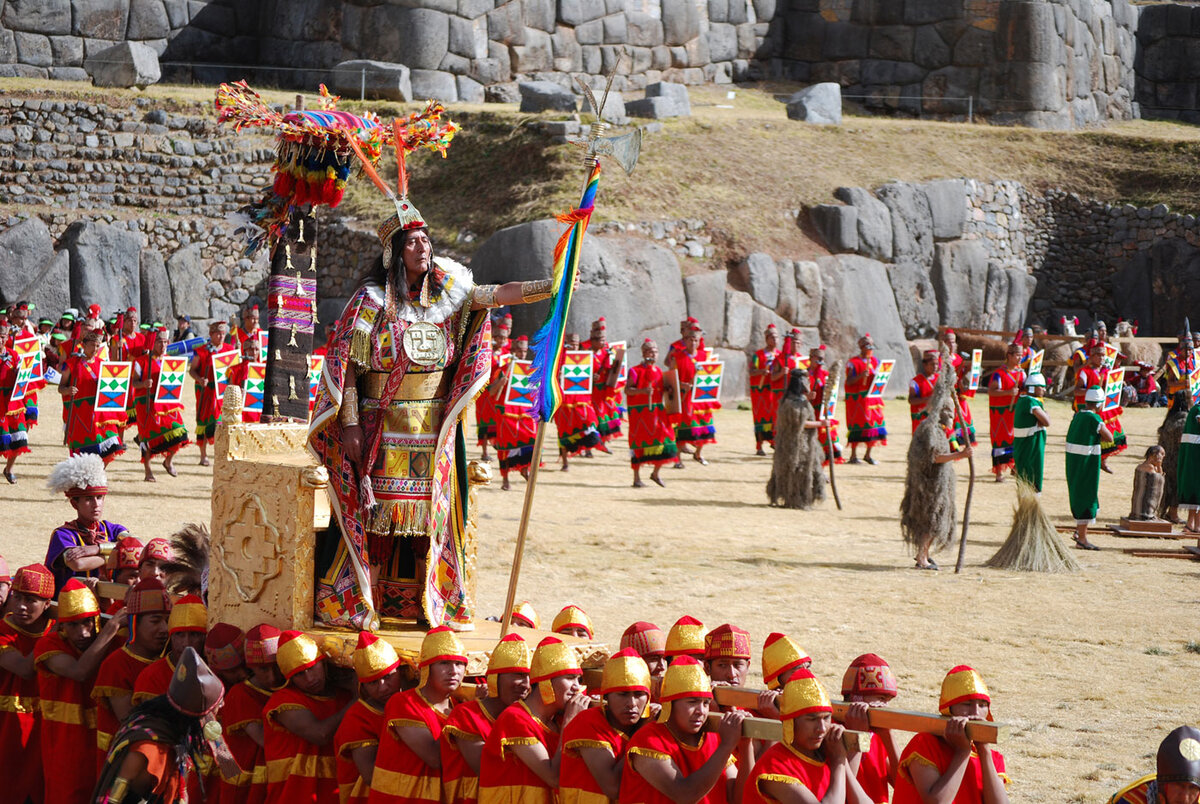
[[864, 413]]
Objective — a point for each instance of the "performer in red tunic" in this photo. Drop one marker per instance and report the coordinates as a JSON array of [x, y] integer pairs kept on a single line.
[[1003, 389], [694, 423], [208, 406], [67, 661], [921, 387], [685, 638], [223, 646], [763, 400], [651, 437], [409, 763], [522, 755], [147, 607], [962, 371], [864, 413], [161, 433], [357, 739], [20, 326], [651, 644], [300, 721], [1094, 374], [80, 379], [14, 440], [576, 417], [186, 628], [470, 723], [486, 425], [606, 366], [869, 682], [675, 755], [594, 742], [973, 772], [242, 718], [127, 344], [517, 428], [248, 331], [818, 382], [810, 764], [27, 621]]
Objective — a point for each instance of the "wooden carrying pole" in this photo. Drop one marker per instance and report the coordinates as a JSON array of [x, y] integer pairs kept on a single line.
[[764, 728], [879, 717], [519, 550]]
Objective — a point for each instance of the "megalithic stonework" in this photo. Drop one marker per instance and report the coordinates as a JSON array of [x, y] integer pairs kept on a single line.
[[292, 313]]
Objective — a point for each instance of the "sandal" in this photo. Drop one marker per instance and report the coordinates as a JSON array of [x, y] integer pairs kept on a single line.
[[10, 477], [871, 461], [1085, 545], [853, 460], [929, 566]]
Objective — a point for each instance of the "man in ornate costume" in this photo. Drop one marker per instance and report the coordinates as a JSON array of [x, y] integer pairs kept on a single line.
[[27, 621], [651, 437], [411, 351], [1177, 776], [921, 388], [80, 547], [1003, 388]]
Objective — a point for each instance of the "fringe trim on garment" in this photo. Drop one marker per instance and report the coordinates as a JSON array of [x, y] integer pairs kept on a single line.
[[360, 348]]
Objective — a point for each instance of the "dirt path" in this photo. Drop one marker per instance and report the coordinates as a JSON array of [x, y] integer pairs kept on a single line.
[[1091, 669]]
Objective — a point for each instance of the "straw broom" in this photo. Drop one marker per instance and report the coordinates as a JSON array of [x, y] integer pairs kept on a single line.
[[1033, 545]]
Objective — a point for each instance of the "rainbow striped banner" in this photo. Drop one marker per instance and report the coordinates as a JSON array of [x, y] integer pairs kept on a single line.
[[255, 388], [521, 393], [172, 371], [546, 345], [706, 385], [112, 390], [577, 374]]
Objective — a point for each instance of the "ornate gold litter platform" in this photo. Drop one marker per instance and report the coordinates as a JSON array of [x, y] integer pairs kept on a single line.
[[268, 501]]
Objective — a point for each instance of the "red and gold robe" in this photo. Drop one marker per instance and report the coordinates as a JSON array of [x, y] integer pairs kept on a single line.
[[467, 722], [1003, 389], [588, 729], [929, 749], [864, 413], [297, 770], [763, 399], [402, 777], [784, 763], [117, 676], [651, 436], [873, 772], [20, 721], [655, 741], [244, 705], [360, 728], [68, 725], [503, 777]]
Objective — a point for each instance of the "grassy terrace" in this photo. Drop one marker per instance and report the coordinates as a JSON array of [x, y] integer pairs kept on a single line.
[[740, 169]]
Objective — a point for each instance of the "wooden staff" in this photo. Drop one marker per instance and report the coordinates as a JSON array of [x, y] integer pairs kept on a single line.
[[829, 438], [519, 551], [880, 717], [764, 728], [966, 523]]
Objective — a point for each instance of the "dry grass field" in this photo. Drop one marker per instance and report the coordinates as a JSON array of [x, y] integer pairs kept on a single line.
[[1092, 669]]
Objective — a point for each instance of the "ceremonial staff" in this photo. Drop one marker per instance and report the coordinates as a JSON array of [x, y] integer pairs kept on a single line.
[[837, 367], [961, 427], [546, 345]]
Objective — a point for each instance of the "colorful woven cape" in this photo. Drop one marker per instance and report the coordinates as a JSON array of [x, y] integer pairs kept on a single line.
[[546, 345]]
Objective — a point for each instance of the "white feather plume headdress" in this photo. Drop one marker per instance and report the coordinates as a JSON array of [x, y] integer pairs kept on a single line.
[[78, 474]]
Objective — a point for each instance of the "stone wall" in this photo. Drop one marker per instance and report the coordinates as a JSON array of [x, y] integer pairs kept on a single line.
[[1003, 255], [1168, 62], [1046, 63]]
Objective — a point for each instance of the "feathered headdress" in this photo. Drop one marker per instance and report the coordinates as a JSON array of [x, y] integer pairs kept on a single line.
[[424, 129], [313, 155], [187, 572], [78, 476]]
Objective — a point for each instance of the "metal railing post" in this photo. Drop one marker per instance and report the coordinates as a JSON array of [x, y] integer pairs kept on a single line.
[[362, 89], [970, 108]]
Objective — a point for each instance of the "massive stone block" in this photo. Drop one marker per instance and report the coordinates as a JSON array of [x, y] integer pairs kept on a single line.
[[874, 222], [912, 221], [681, 21], [819, 103], [705, 294], [916, 300], [147, 20], [837, 225], [100, 19], [948, 206], [185, 272], [37, 16], [381, 79], [105, 265], [541, 96], [959, 276], [127, 64], [25, 250], [155, 292], [760, 276], [856, 299]]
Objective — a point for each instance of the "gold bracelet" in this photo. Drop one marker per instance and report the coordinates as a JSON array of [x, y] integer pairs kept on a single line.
[[348, 412], [116, 793], [536, 291], [485, 295]]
